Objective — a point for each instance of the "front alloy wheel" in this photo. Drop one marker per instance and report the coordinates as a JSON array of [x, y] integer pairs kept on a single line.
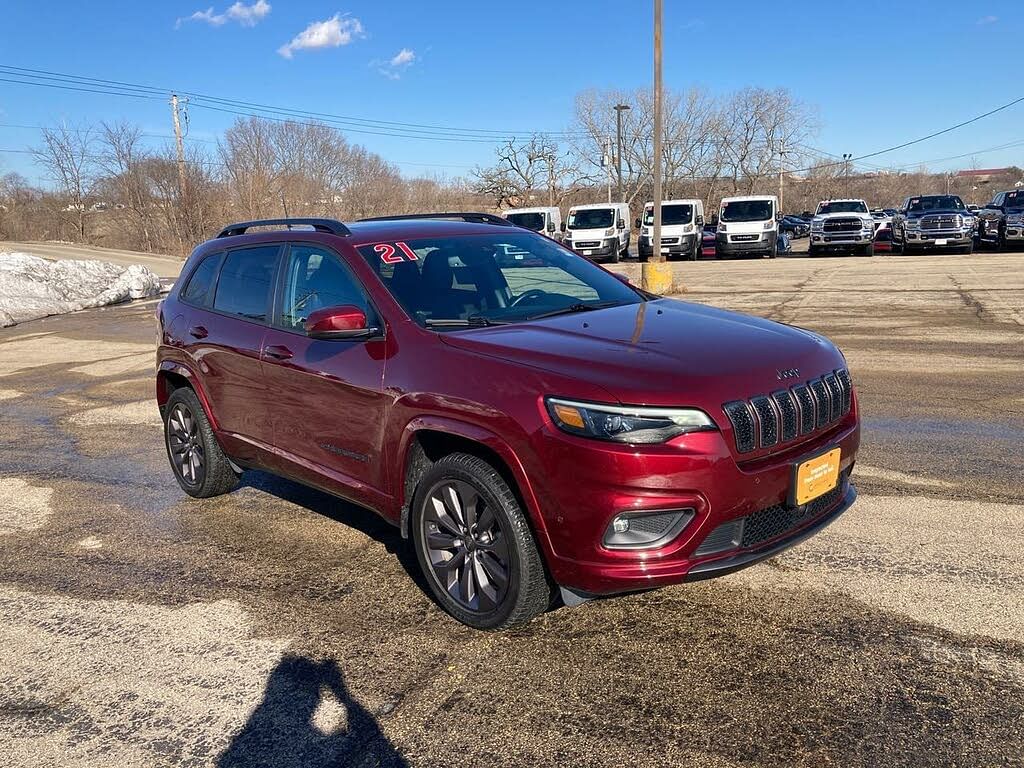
[[474, 545]]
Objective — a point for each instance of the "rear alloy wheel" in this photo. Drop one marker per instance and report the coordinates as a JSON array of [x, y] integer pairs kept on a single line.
[[475, 546], [199, 464]]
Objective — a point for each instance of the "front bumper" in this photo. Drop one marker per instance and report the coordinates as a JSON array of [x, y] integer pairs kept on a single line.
[[595, 248], [680, 245], [585, 484], [763, 244], [929, 237], [1014, 232], [842, 239]]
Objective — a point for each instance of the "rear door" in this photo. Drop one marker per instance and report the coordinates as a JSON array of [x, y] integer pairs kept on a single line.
[[225, 342], [329, 405]]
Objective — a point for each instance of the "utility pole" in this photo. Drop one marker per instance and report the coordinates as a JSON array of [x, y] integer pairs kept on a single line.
[[180, 144], [608, 164], [782, 169], [619, 109], [846, 171], [657, 273]]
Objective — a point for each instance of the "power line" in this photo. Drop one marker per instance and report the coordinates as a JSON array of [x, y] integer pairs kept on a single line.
[[121, 88]]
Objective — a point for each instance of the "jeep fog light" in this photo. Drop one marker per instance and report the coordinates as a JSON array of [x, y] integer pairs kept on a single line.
[[646, 530]]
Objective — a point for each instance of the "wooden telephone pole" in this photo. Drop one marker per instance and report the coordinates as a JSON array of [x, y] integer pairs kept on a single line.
[[180, 144], [656, 272]]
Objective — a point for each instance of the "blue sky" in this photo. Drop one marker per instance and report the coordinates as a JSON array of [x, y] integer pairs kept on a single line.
[[879, 72]]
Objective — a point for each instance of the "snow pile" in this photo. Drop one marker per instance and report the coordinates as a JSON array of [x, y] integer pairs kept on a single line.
[[31, 287]]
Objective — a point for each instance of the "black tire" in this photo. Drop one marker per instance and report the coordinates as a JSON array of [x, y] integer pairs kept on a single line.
[[968, 249], [909, 250], [812, 250], [614, 258], [868, 250], [528, 590], [1001, 245], [214, 474], [895, 247], [695, 253]]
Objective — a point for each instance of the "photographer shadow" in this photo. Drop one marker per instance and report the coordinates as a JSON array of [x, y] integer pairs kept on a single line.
[[284, 729]]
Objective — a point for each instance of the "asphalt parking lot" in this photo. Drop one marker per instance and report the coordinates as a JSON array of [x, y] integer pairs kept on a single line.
[[279, 627]]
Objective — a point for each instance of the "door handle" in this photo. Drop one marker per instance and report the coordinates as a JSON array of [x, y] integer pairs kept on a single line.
[[198, 332], [277, 352]]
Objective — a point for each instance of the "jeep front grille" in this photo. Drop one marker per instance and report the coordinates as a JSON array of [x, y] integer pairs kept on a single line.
[[767, 420]]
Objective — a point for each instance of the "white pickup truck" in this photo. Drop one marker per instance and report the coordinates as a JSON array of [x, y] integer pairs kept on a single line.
[[842, 225]]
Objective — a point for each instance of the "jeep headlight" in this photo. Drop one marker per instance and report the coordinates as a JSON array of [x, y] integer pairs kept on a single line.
[[625, 424]]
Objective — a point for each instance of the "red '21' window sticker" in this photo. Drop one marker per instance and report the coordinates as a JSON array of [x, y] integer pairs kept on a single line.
[[389, 253]]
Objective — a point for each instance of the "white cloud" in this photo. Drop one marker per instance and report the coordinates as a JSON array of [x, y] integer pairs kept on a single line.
[[403, 58], [393, 67], [986, 20], [246, 15], [333, 32]]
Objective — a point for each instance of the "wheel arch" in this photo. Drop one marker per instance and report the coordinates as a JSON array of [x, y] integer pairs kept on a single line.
[[425, 440], [172, 375]]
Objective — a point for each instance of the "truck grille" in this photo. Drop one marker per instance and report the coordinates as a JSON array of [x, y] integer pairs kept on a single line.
[[842, 225], [768, 420], [941, 221], [587, 244], [768, 523]]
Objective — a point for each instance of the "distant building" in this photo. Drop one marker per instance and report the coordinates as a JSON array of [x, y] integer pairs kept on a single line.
[[984, 175]]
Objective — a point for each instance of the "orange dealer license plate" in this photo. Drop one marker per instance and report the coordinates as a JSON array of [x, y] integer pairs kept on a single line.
[[815, 477]]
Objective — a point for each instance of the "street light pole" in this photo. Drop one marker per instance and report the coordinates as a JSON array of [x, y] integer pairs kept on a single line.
[[619, 109], [846, 171], [657, 273]]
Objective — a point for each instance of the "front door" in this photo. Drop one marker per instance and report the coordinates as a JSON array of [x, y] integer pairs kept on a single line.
[[328, 401]]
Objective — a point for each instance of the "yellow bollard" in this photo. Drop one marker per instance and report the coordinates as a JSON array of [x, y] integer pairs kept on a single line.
[[656, 277]]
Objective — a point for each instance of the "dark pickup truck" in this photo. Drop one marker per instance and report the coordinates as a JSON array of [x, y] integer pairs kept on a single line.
[[1001, 222]]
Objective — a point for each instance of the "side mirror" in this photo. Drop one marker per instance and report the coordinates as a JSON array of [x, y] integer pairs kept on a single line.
[[778, 217], [562, 227], [636, 222], [700, 221], [551, 226], [620, 224], [342, 322]]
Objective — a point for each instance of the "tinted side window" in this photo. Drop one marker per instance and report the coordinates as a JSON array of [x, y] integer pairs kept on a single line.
[[315, 279], [245, 280], [199, 291]]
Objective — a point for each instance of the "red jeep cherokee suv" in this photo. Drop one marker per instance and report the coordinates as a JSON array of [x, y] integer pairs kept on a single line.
[[532, 422]]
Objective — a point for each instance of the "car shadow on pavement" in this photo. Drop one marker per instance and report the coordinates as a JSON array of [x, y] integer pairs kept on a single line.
[[308, 718], [361, 519]]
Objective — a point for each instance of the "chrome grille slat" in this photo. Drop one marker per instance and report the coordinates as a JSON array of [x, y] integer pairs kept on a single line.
[[764, 421]]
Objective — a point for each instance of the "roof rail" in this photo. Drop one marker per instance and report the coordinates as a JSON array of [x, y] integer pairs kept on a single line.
[[330, 226], [470, 216]]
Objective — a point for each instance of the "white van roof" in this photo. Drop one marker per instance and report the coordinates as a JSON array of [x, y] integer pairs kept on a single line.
[[680, 201], [598, 206], [749, 197], [535, 209]]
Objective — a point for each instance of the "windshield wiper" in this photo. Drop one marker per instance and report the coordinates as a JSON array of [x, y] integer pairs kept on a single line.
[[578, 307], [473, 321]]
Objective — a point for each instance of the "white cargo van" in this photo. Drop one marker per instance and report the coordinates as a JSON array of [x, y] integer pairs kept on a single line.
[[599, 230], [546, 220], [747, 225], [682, 229]]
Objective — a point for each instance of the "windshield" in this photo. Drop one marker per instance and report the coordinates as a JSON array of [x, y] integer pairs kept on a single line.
[[1014, 200], [493, 278], [534, 221], [670, 215], [936, 203], [592, 218], [747, 210], [843, 206]]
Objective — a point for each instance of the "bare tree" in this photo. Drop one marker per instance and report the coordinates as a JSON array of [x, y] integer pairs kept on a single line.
[[123, 162], [67, 156], [527, 169]]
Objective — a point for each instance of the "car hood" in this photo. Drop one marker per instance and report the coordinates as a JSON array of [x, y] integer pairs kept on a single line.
[[661, 352], [847, 215]]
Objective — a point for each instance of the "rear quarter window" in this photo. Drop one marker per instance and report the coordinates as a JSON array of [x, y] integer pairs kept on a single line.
[[199, 288], [243, 287]]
